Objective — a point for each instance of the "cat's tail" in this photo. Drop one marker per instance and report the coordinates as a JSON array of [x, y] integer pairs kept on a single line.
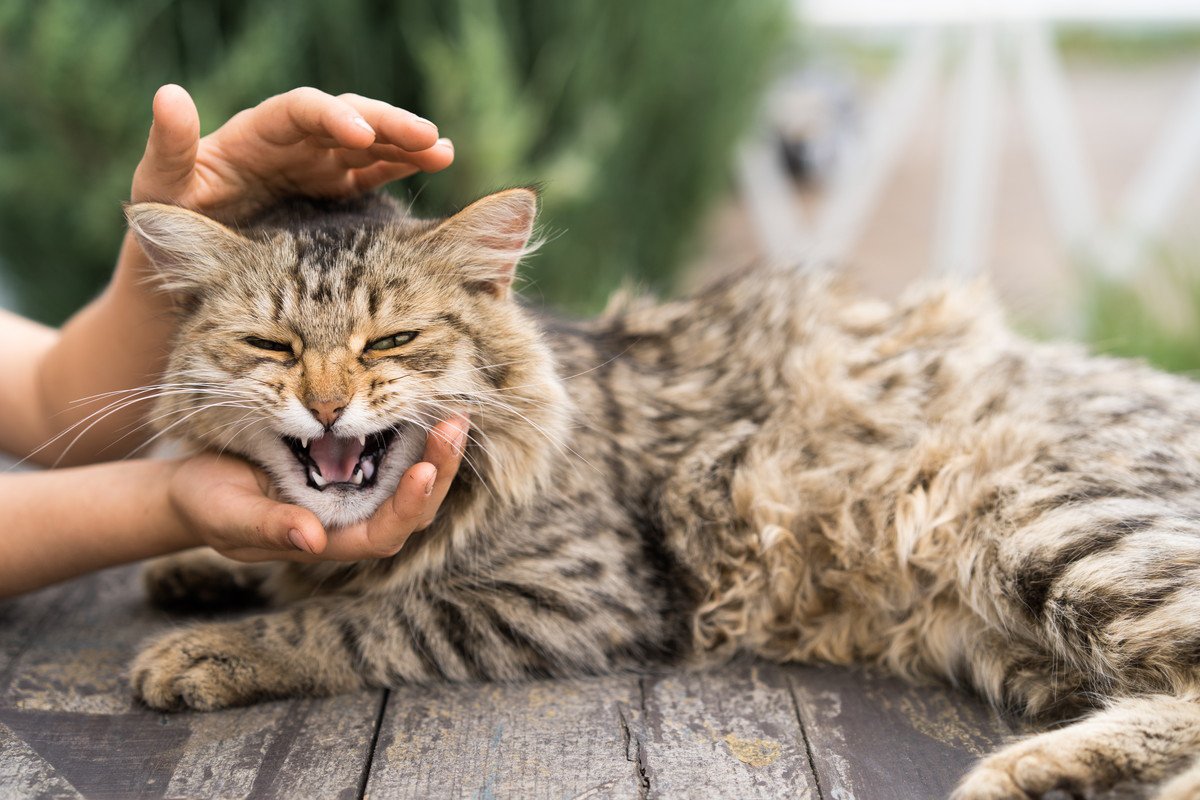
[[1145, 747]]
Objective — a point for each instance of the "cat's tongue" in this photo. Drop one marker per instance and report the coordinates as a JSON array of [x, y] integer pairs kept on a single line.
[[335, 457]]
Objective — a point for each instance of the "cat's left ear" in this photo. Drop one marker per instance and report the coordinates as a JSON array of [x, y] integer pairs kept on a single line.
[[190, 250], [487, 239]]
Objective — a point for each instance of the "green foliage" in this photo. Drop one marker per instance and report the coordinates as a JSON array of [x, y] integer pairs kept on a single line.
[[625, 112], [1129, 45], [1156, 318]]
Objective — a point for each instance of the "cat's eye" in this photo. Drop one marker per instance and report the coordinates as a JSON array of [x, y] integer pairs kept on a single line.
[[392, 342], [267, 344]]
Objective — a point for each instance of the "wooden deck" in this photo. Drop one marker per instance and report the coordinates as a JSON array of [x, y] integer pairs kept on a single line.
[[68, 728]]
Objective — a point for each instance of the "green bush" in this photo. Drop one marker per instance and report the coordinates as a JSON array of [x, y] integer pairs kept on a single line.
[[625, 112], [1155, 317]]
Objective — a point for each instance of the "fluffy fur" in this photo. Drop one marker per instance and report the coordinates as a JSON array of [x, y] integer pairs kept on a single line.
[[766, 466]]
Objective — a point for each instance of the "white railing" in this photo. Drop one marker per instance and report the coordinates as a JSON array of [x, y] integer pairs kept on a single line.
[[1115, 241]]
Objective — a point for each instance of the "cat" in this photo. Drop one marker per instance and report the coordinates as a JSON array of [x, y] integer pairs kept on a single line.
[[769, 465]]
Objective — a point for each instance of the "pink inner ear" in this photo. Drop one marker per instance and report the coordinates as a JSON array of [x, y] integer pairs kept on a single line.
[[512, 235], [487, 239]]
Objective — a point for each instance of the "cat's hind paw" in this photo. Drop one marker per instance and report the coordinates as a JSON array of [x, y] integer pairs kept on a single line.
[[201, 580]]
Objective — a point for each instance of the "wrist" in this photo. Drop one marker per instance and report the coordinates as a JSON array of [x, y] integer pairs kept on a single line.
[[176, 522]]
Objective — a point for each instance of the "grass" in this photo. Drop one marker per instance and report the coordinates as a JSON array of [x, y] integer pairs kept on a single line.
[[1157, 317]]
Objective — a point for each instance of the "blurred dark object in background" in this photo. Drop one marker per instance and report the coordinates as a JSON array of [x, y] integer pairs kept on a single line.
[[815, 113], [625, 112]]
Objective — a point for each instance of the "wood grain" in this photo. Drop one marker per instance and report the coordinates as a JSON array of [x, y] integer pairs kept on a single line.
[[730, 732], [69, 728], [877, 737], [562, 739], [68, 717]]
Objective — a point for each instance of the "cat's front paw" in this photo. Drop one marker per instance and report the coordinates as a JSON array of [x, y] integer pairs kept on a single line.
[[1023, 772], [202, 668]]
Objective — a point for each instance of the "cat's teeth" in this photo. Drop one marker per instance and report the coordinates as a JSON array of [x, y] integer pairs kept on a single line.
[[362, 439], [368, 468], [316, 477], [304, 442], [357, 477]]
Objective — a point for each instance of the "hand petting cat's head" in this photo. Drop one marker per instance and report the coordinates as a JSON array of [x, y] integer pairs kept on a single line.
[[323, 341]]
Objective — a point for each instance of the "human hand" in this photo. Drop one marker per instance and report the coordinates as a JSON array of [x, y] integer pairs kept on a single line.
[[302, 142], [226, 502]]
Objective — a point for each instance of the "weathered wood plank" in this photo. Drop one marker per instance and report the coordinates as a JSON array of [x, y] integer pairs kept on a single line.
[[875, 737], [68, 728], [23, 773], [22, 618], [729, 732], [561, 739], [65, 700]]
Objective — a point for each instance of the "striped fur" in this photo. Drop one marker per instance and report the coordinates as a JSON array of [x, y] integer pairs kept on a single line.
[[767, 465]]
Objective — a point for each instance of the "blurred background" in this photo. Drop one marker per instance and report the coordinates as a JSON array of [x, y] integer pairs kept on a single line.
[[1051, 146]]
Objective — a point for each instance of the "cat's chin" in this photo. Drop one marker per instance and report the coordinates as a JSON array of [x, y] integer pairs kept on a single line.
[[356, 491]]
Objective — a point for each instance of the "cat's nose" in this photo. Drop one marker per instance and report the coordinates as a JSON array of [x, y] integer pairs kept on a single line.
[[326, 412]]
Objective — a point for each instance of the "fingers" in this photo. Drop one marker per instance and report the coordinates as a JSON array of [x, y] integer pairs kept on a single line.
[[422, 489], [368, 178], [374, 175], [444, 450], [272, 526], [166, 167], [226, 500], [394, 125], [294, 116], [350, 121]]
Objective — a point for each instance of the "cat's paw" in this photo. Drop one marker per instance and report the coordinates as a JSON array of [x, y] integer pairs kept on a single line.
[[1032, 770], [201, 580], [202, 668]]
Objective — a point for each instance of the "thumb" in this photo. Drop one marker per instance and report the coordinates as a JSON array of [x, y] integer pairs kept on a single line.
[[260, 522], [166, 166]]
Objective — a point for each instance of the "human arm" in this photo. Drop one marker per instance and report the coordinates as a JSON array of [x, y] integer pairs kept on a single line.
[[71, 396], [91, 517]]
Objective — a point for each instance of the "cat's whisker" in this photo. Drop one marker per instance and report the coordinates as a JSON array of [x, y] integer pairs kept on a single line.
[[189, 413], [90, 421], [562, 446], [242, 430], [150, 422], [213, 387], [177, 423]]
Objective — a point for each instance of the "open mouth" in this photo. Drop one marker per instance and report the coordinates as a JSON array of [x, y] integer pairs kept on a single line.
[[339, 461]]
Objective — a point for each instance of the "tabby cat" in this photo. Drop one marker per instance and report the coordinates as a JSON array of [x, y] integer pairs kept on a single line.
[[767, 466]]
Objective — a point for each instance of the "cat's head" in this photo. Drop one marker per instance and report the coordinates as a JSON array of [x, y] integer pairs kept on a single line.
[[324, 350]]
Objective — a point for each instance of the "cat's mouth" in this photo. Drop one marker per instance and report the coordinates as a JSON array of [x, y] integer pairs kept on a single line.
[[339, 461]]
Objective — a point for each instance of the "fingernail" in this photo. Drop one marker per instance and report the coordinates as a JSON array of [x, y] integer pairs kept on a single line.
[[460, 438], [362, 123], [429, 486], [424, 121], [298, 541], [446, 143]]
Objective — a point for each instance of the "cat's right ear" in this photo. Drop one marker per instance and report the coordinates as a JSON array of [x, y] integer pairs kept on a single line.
[[189, 250]]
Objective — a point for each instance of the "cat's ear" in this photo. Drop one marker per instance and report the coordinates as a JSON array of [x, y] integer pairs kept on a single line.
[[189, 250], [487, 239]]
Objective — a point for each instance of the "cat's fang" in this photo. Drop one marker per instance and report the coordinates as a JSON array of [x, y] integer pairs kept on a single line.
[[368, 468], [304, 442], [316, 478], [357, 477], [362, 439]]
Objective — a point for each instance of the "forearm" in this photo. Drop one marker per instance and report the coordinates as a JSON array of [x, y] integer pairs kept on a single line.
[[116, 343], [63, 523]]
